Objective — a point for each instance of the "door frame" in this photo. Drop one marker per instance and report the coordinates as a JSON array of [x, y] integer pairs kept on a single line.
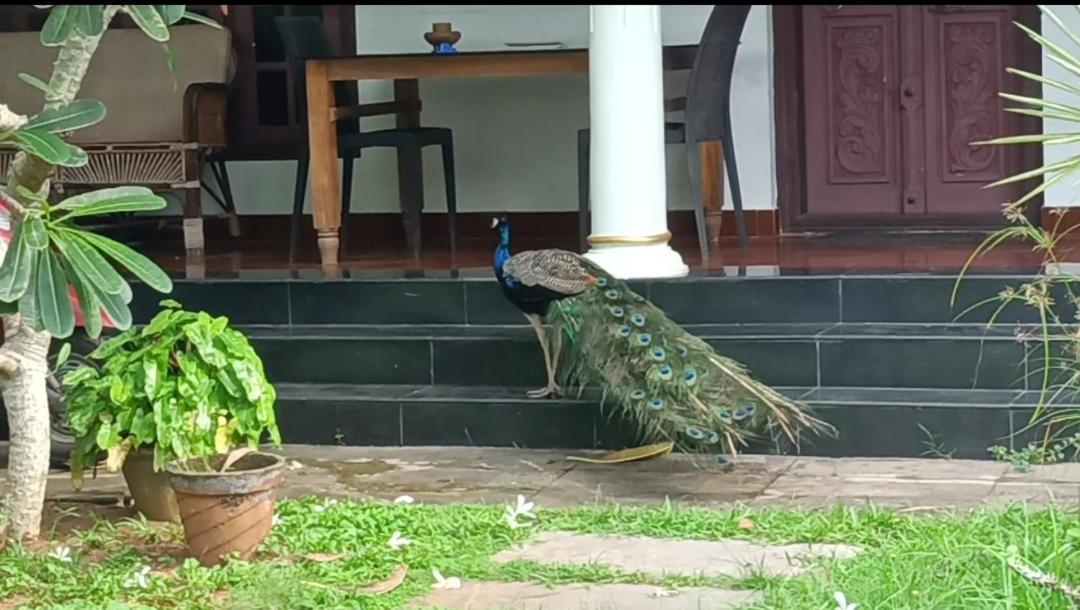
[[789, 91]]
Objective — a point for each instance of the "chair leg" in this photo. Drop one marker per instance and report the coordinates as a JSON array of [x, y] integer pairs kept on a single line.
[[693, 160], [194, 239], [298, 205], [728, 142], [583, 187], [222, 175], [451, 191], [346, 203]]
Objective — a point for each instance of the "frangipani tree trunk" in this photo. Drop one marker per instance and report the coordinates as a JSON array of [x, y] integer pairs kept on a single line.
[[24, 354]]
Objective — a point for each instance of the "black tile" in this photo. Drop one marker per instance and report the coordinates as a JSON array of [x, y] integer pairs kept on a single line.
[[489, 362], [927, 299], [926, 363], [894, 431], [749, 300], [535, 424], [1005, 332], [242, 302], [339, 422], [775, 362], [485, 303], [369, 302], [376, 361]]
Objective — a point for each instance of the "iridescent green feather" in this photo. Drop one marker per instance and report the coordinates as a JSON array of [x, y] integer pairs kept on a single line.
[[674, 385]]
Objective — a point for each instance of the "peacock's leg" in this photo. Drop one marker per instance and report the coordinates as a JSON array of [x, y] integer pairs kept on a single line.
[[552, 389]]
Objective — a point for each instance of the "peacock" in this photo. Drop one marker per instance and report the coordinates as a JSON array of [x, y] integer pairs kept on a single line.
[[673, 385]]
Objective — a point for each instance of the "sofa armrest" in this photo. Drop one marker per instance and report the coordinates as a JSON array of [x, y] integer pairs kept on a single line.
[[205, 111]]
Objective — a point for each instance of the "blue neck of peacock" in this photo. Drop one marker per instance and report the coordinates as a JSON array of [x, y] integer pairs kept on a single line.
[[502, 251]]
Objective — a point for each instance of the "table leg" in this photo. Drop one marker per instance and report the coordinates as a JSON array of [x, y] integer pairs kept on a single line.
[[323, 148], [712, 188], [411, 196]]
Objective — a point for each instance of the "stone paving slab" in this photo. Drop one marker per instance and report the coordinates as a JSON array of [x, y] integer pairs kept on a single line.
[[659, 557], [488, 475], [529, 596]]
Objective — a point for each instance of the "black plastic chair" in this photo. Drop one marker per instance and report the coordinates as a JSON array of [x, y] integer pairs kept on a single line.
[[708, 118], [305, 38]]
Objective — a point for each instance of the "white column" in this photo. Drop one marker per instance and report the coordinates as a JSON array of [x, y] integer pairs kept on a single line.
[[627, 178]]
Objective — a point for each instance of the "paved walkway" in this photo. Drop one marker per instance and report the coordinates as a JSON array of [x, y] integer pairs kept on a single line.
[[483, 475]]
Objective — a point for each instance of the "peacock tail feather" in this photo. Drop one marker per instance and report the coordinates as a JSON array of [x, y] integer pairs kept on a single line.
[[671, 383]]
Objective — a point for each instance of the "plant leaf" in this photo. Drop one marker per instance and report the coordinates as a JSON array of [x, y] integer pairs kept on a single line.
[[44, 145], [37, 83], [203, 19], [91, 19], [59, 24], [62, 357], [76, 115], [90, 305], [52, 295], [111, 201], [142, 267], [16, 269], [28, 306], [88, 262], [171, 13], [149, 21], [36, 237]]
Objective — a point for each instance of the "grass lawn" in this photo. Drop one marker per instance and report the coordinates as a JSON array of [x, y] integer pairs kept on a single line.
[[321, 554]]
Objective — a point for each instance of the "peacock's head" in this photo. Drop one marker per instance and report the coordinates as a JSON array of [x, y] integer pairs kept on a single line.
[[501, 224]]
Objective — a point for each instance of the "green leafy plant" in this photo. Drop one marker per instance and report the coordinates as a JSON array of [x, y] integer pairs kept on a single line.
[[1054, 348], [186, 384], [1038, 454]]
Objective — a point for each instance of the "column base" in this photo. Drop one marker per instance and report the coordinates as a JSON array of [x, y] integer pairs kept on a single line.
[[639, 262]]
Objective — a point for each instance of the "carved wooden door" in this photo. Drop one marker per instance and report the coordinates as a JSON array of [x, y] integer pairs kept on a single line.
[[894, 97]]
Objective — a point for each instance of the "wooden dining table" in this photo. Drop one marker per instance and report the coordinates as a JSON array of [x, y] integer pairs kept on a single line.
[[406, 70]]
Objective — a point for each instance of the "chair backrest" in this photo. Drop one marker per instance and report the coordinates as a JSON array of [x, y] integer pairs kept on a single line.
[[306, 38], [709, 88]]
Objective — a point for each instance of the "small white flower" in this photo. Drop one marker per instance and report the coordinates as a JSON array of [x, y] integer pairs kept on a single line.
[[511, 520], [276, 521], [397, 541], [444, 583], [842, 602], [61, 553], [325, 505], [662, 592], [140, 579], [522, 509], [404, 500]]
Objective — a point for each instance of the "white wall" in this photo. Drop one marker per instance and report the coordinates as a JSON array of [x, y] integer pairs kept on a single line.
[[1065, 193], [515, 138]]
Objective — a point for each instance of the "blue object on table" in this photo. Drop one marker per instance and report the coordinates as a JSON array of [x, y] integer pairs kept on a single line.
[[444, 48]]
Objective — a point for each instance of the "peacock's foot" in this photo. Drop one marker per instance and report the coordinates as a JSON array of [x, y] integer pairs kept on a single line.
[[553, 390]]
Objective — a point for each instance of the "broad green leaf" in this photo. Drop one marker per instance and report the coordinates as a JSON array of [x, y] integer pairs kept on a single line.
[[78, 157], [37, 83], [89, 263], [44, 145], [171, 13], [89, 304], [59, 24], [142, 267], [53, 300], [28, 306], [36, 237], [91, 19], [112, 201], [114, 306], [62, 357], [16, 269], [197, 18], [149, 21], [76, 115]]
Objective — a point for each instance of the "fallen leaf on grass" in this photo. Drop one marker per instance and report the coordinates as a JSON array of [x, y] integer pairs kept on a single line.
[[746, 524], [392, 582], [323, 557]]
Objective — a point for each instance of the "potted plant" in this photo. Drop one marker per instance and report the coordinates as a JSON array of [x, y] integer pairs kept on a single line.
[[185, 385]]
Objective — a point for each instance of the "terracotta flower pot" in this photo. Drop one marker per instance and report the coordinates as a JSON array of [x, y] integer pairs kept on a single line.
[[226, 512], [153, 495]]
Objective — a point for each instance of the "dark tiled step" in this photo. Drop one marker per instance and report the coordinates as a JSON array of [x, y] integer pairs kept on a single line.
[[872, 422], [478, 300], [858, 355]]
